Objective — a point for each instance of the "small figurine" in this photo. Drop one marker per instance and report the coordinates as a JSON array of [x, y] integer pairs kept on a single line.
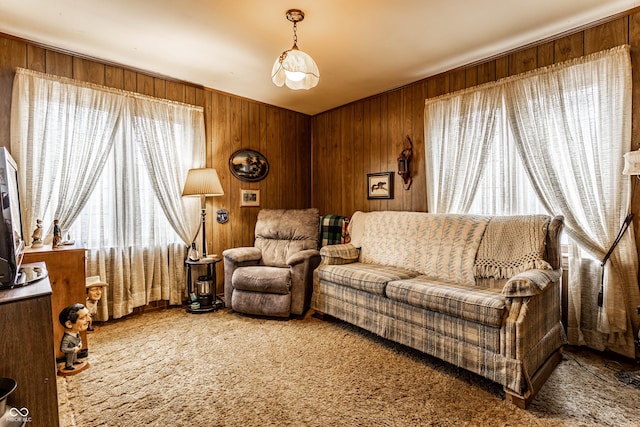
[[94, 294], [37, 235], [193, 253], [74, 318], [57, 235]]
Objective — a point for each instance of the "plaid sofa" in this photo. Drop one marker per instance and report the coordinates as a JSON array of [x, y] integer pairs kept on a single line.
[[482, 293]]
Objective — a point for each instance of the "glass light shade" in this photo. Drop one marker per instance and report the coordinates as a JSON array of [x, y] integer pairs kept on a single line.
[[632, 163], [202, 182], [296, 69]]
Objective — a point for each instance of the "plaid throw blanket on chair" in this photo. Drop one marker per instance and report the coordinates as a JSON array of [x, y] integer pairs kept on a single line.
[[333, 230]]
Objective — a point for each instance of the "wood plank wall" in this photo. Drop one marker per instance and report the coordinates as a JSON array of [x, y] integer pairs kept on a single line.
[[367, 135], [231, 123]]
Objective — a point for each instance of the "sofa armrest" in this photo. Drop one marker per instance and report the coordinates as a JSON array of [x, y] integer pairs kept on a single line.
[[530, 282], [533, 330], [242, 255], [303, 256], [339, 254]]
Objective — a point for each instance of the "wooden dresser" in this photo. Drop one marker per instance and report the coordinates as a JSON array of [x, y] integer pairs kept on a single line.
[[67, 274], [26, 353]]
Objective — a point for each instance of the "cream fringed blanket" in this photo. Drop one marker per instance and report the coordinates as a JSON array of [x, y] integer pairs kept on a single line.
[[510, 245]]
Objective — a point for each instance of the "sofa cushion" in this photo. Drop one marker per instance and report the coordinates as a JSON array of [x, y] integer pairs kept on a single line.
[[366, 277], [441, 246], [486, 306], [260, 278]]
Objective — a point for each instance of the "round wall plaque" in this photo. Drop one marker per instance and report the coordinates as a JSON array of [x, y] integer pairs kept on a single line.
[[248, 165]]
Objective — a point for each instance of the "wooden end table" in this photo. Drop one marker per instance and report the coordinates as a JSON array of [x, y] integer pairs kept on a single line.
[[216, 302]]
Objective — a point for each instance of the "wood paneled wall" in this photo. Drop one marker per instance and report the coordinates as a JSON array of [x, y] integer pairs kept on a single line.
[[367, 135], [231, 123]]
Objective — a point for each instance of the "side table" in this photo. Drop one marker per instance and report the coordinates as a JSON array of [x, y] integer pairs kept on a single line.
[[194, 295], [67, 273]]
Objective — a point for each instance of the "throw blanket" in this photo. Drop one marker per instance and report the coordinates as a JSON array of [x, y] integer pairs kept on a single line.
[[512, 244], [333, 230]]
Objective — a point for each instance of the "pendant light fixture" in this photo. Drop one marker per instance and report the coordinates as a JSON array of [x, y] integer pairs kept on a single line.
[[293, 67]]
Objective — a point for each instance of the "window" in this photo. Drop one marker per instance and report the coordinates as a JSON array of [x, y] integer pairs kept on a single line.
[[110, 165], [99, 225]]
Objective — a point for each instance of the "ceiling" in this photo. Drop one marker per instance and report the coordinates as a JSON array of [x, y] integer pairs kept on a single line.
[[362, 47]]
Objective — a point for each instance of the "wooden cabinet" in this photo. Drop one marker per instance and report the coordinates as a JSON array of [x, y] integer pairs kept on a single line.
[[26, 353], [67, 274]]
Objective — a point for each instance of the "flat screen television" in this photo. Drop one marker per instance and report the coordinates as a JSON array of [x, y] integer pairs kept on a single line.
[[11, 238]]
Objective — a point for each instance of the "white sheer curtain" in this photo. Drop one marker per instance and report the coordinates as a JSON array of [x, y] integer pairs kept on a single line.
[[61, 134], [116, 189], [569, 125], [572, 126], [459, 130], [171, 141]]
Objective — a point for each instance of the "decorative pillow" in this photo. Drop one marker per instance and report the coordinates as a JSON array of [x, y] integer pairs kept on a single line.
[[355, 229]]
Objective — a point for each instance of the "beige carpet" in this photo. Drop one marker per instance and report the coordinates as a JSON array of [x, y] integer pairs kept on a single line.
[[170, 368]]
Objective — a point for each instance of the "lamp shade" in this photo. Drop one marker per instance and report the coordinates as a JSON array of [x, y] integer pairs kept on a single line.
[[202, 182], [296, 69], [632, 163]]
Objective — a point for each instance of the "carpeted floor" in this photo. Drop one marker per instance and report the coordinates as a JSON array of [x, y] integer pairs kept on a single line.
[[171, 368]]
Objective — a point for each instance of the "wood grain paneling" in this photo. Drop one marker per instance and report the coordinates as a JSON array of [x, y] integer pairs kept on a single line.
[[606, 36], [12, 54]]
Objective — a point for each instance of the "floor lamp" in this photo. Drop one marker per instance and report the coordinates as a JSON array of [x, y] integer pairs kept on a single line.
[[203, 182]]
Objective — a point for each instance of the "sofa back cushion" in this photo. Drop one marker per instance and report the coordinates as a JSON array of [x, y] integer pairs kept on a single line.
[[440, 246], [282, 232]]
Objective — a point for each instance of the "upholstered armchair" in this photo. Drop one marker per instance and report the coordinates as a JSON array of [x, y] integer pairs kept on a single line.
[[275, 276]]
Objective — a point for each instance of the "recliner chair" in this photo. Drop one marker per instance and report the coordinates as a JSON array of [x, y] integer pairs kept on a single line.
[[275, 276]]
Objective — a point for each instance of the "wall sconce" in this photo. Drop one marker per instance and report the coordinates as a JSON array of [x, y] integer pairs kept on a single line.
[[404, 169]]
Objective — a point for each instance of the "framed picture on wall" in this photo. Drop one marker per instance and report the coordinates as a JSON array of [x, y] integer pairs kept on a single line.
[[248, 165], [380, 185], [249, 198]]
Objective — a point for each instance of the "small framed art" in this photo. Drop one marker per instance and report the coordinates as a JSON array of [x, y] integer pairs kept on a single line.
[[249, 198], [380, 185]]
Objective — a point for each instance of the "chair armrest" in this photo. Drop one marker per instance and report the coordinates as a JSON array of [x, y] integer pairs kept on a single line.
[[235, 258], [530, 282], [302, 256], [241, 255], [339, 254], [302, 265]]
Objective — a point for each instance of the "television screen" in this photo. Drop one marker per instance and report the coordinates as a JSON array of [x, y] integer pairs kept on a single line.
[[11, 236]]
